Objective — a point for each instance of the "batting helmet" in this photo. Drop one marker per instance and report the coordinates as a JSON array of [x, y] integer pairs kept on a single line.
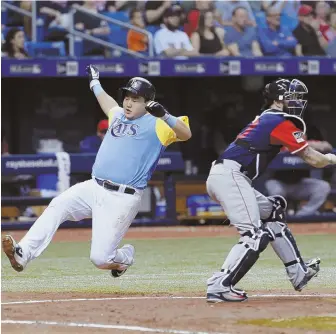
[[138, 86]]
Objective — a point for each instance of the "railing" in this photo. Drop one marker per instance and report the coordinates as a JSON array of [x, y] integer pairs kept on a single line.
[[32, 15], [74, 33]]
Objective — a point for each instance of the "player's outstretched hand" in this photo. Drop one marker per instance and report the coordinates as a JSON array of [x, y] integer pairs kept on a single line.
[[156, 109], [93, 72]]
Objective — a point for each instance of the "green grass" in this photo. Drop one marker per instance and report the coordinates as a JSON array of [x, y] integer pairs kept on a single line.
[[310, 323], [162, 266]]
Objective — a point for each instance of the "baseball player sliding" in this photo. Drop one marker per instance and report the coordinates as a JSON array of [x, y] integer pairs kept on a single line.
[[259, 219], [138, 134]]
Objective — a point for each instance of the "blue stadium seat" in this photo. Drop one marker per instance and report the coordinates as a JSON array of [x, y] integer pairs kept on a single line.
[[152, 29], [119, 37], [46, 49], [3, 15], [120, 16]]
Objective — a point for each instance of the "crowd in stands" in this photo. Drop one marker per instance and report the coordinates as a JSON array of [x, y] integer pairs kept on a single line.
[[185, 28]]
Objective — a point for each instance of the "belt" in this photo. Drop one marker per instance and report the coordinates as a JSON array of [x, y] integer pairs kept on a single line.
[[221, 161], [114, 187]]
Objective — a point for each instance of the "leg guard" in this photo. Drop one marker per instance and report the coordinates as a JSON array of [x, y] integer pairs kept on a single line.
[[240, 260], [284, 245]]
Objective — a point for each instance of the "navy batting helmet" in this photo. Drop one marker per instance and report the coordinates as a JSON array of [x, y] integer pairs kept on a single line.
[[138, 86]]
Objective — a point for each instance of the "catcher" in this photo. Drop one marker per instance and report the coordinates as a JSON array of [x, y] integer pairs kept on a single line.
[[259, 219]]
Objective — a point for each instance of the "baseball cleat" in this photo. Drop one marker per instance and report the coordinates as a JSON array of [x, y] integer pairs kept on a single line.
[[313, 267], [231, 295], [130, 251], [11, 249]]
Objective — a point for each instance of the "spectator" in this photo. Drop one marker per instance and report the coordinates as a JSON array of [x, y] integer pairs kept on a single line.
[[310, 39], [91, 144], [241, 39], [170, 41], [209, 39], [121, 5], [27, 21], [92, 26], [224, 10], [289, 8], [193, 14], [276, 40], [154, 12], [52, 10], [322, 10], [14, 44], [137, 41], [330, 33], [298, 185]]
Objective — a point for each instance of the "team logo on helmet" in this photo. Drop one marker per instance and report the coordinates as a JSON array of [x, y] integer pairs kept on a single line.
[[136, 84]]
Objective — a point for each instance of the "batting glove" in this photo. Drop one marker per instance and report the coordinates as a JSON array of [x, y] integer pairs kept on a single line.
[[332, 158], [156, 109], [93, 74]]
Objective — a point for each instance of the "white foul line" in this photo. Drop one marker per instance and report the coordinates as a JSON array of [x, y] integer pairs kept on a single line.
[[325, 295], [129, 328]]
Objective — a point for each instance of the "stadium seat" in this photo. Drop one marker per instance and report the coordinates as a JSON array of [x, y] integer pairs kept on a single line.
[[119, 36], [3, 16], [120, 16], [152, 29], [46, 49]]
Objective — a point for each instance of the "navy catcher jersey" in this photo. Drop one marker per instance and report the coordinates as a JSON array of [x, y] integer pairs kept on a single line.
[[258, 143]]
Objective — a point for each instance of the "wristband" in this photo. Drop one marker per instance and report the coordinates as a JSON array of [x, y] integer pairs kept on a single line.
[[97, 89], [170, 120]]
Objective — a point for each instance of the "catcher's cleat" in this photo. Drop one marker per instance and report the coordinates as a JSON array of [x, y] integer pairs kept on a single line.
[[313, 267], [130, 251], [230, 294], [12, 250]]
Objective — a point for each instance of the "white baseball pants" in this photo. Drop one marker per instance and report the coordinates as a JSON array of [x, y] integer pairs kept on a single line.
[[112, 213]]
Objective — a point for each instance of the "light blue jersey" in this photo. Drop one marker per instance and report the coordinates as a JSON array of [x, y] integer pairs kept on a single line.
[[131, 149]]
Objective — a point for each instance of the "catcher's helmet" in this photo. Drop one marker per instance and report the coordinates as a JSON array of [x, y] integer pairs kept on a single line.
[[291, 91], [276, 90], [138, 86]]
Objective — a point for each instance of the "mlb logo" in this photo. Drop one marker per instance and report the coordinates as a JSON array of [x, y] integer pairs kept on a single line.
[[135, 84], [299, 136]]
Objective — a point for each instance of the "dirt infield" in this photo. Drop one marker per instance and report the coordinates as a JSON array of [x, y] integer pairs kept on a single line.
[[64, 313], [84, 234]]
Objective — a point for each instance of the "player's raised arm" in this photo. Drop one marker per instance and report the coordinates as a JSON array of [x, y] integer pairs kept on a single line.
[[178, 126], [106, 102], [317, 159]]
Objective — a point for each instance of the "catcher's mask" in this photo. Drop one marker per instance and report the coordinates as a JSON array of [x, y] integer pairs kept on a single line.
[[291, 92], [296, 98], [138, 86]]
